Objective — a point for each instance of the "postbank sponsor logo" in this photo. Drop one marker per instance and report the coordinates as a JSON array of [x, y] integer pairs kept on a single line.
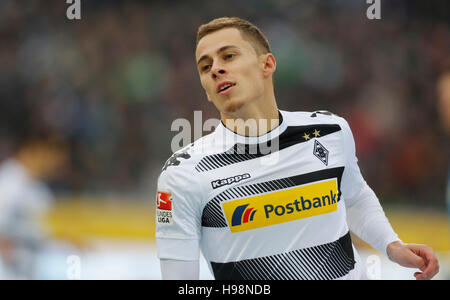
[[242, 214], [300, 202]]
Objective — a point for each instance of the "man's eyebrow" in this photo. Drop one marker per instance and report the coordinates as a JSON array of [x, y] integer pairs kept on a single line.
[[221, 49]]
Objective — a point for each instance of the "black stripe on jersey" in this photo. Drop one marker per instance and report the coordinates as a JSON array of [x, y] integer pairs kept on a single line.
[[212, 215], [241, 152], [322, 262]]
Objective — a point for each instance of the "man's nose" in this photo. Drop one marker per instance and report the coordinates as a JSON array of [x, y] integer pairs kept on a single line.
[[217, 71]]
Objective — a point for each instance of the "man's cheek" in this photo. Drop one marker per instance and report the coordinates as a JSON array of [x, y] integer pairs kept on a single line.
[[208, 94]]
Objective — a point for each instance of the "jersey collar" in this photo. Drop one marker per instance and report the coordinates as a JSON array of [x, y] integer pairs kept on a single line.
[[232, 136]]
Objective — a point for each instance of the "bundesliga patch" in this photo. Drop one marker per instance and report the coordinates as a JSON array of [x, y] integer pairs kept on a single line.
[[164, 208]]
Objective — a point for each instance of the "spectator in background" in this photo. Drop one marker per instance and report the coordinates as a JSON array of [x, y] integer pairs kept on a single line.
[[112, 83], [24, 200], [444, 114]]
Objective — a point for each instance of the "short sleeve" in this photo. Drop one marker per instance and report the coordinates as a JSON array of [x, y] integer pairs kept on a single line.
[[178, 215]]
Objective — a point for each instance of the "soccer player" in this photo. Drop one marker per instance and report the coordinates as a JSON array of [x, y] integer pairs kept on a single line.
[[24, 201], [270, 194]]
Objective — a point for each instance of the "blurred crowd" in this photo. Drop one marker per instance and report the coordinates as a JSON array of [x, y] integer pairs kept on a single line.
[[100, 93]]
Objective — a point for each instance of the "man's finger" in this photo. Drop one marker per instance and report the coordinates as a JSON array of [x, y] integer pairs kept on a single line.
[[431, 266], [420, 276]]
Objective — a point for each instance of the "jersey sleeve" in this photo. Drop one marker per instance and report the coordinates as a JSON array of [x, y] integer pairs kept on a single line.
[[178, 215], [365, 216]]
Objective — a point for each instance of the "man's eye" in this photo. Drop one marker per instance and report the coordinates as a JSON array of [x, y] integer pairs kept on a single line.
[[206, 67], [228, 56]]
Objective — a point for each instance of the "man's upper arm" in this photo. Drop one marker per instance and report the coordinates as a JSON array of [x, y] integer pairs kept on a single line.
[[178, 215]]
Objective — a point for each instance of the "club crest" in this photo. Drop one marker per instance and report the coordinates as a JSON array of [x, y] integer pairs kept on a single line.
[[321, 152]]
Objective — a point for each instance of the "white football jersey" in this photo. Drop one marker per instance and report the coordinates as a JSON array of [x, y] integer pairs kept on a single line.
[[266, 207]]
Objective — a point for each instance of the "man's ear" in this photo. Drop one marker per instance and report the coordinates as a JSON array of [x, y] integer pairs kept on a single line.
[[269, 64]]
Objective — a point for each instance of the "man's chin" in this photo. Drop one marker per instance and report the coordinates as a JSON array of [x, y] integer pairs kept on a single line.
[[232, 106]]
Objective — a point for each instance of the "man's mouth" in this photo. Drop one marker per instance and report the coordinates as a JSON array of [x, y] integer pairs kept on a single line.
[[224, 87]]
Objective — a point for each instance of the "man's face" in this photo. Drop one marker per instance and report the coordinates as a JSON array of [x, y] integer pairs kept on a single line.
[[230, 70]]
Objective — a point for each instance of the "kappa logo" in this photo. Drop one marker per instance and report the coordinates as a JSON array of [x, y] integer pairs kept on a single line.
[[321, 152], [233, 179], [173, 160], [242, 214]]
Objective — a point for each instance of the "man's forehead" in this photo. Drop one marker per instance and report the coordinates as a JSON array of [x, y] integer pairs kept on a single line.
[[212, 42]]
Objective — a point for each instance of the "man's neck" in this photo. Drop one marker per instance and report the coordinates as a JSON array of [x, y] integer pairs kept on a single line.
[[256, 122]]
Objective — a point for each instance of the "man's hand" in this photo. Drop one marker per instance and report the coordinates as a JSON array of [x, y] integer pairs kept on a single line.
[[414, 256]]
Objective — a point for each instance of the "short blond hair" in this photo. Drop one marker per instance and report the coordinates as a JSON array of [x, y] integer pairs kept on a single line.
[[255, 36]]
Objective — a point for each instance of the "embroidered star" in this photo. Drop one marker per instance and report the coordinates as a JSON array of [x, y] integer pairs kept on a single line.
[[306, 136], [316, 132]]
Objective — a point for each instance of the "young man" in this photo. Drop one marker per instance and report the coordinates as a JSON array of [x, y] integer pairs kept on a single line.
[[257, 214]]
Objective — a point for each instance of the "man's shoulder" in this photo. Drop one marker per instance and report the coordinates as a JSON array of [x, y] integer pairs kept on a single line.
[[177, 171], [187, 158], [180, 173], [181, 159], [313, 117]]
